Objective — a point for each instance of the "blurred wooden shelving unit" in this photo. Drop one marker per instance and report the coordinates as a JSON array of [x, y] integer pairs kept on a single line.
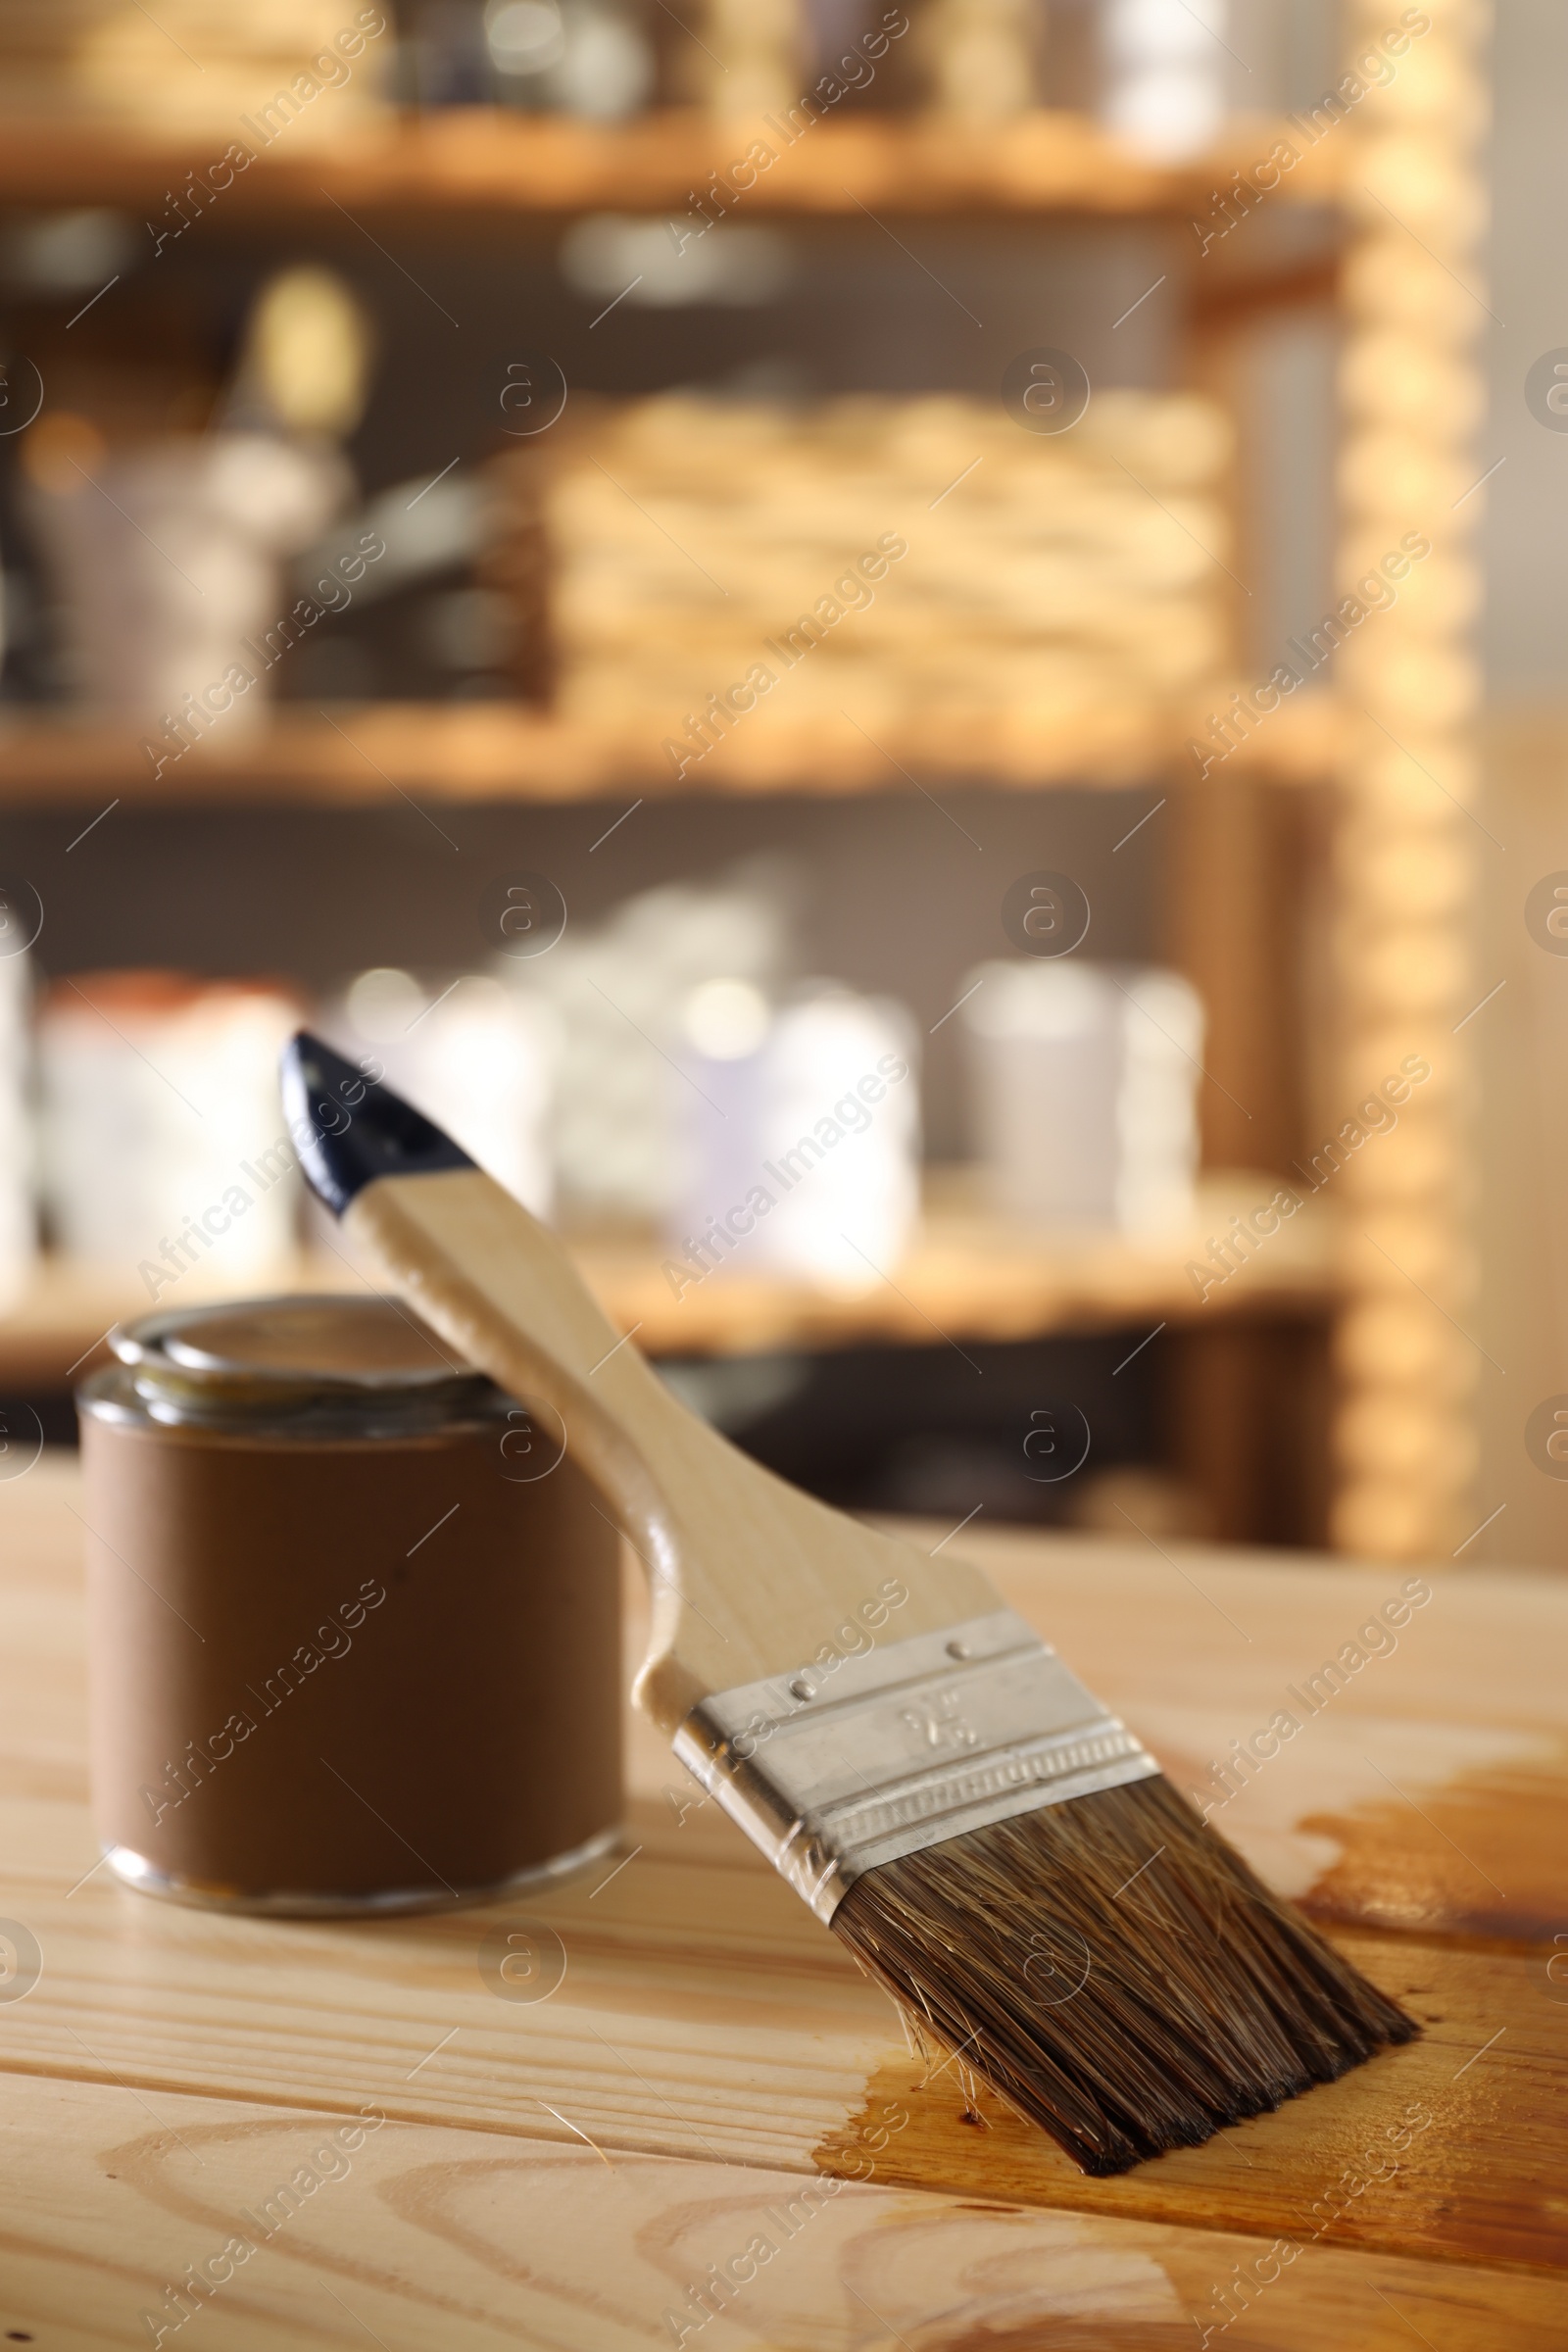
[[1405, 843], [968, 1277], [1394, 972], [475, 161], [1389, 751], [366, 754]]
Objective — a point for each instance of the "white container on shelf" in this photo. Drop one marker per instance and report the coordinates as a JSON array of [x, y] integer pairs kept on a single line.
[[1083, 1082], [617, 991], [1166, 66], [163, 1144], [803, 1146], [473, 1055], [170, 570], [1156, 1101]]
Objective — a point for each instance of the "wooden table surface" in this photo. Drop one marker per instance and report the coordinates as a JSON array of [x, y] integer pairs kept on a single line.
[[710, 2070]]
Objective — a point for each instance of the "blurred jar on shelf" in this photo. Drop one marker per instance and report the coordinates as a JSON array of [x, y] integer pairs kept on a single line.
[[801, 1129], [1165, 68], [1163, 74], [164, 1145], [167, 512], [591, 57], [617, 991], [473, 1055], [166, 564], [1083, 1084]]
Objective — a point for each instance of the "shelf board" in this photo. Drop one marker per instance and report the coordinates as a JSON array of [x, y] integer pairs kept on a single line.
[[479, 160], [368, 753], [968, 1277]]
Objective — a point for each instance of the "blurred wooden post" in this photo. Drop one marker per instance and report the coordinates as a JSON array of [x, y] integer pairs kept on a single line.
[[1231, 927], [1407, 983], [1242, 1404]]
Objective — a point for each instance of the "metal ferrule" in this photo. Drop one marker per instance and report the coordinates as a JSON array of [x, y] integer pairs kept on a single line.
[[832, 1773]]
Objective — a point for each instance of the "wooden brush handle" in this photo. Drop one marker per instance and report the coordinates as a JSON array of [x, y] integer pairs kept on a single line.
[[749, 1577]]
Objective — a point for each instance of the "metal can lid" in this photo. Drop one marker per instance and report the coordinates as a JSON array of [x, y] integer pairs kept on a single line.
[[263, 1357]]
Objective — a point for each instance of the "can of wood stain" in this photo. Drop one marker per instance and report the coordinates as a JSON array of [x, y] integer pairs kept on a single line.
[[354, 1618]]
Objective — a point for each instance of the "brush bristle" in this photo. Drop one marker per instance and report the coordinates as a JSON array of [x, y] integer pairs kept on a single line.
[[1116, 1972]]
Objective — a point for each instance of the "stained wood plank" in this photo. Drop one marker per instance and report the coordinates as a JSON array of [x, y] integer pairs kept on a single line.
[[1449, 2147], [434, 2240], [1427, 1793], [705, 2015], [700, 2016]]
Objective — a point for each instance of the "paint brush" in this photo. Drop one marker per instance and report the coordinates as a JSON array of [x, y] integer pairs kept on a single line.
[[994, 1846]]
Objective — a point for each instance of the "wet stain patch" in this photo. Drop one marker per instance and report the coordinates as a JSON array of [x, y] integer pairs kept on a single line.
[[1484, 1856], [1449, 2147]]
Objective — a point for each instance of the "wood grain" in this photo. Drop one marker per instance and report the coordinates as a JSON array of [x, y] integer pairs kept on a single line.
[[1196, 1647], [706, 2021], [1423, 1795], [699, 2015], [1440, 2149], [429, 2238]]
